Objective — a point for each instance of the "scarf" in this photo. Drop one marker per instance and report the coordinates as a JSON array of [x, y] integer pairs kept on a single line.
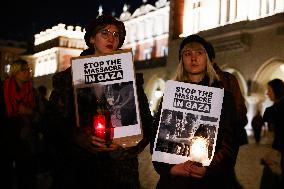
[[15, 96]]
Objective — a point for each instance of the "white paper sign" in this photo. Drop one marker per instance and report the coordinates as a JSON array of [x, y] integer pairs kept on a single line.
[[189, 123], [110, 77]]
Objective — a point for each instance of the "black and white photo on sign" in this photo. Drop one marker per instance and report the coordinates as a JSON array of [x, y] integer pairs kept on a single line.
[[178, 130], [118, 98]]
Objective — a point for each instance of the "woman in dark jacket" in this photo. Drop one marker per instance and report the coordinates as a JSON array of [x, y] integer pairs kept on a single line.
[[83, 160], [274, 116], [195, 67]]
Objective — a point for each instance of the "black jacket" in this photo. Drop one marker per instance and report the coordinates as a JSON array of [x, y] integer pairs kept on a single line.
[[274, 116]]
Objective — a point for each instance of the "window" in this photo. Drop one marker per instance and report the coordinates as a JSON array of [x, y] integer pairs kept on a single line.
[[147, 54], [7, 68], [164, 51]]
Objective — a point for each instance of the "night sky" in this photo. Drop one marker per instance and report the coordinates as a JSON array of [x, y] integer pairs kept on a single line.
[[21, 19]]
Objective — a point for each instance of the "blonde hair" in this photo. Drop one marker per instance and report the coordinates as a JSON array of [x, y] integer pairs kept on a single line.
[[182, 74], [17, 66]]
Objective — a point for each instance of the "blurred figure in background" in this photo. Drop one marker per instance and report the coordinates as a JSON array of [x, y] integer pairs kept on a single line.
[[257, 124], [274, 115], [230, 83], [42, 146], [42, 99], [17, 137]]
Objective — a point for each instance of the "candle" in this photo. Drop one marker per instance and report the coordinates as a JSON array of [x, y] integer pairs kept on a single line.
[[103, 127], [99, 124], [199, 150]]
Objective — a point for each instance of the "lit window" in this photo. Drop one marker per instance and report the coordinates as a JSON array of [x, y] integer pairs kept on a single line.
[[147, 54], [164, 51], [7, 68]]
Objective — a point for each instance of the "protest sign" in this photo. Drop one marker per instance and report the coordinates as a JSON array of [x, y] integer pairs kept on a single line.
[[189, 123], [108, 80]]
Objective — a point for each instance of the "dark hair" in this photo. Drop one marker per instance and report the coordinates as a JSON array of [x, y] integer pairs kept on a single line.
[[16, 66], [277, 86], [198, 39], [211, 51], [99, 23], [88, 51], [42, 90]]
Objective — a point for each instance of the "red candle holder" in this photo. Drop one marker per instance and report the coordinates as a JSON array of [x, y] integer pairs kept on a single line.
[[99, 125], [103, 127]]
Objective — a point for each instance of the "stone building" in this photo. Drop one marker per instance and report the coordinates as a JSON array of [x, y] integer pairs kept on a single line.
[[248, 37], [53, 49]]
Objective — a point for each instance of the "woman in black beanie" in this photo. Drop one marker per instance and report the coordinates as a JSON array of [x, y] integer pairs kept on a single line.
[[83, 160], [195, 67]]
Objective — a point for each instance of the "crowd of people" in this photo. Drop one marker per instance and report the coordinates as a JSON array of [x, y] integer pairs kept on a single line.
[[39, 134]]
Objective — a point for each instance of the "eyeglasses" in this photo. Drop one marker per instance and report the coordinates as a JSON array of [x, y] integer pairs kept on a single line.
[[107, 34]]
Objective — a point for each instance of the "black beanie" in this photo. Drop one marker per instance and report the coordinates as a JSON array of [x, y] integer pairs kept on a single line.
[[196, 38]]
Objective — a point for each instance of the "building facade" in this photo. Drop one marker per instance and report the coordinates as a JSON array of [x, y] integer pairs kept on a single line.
[[53, 49], [247, 37]]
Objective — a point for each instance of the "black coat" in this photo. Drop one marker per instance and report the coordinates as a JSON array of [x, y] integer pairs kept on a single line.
[[274, 116]]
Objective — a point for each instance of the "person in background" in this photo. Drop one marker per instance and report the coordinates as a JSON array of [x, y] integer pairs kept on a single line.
[[17, 137], [42, 99], [274, 116], [230, 83], [42, 146], [257, 124], [83, 160], [195, 66]]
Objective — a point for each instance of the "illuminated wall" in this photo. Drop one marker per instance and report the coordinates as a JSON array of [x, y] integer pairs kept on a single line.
[[55, 47], [147, 30], [147, 34], [200, 15]]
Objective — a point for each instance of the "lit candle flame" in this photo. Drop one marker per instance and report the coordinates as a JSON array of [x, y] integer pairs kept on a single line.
[[100, 125], [199, 150]]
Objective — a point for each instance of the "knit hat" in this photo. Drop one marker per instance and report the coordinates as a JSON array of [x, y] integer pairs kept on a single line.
[[196, 38], [102, 21]]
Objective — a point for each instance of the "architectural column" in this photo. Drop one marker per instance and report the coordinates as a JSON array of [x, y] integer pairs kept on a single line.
[[176, 18]]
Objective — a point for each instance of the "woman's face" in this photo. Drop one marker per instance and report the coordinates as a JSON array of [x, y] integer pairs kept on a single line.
[[23, 75], [106, 40], [194, 59], [270, 93]]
